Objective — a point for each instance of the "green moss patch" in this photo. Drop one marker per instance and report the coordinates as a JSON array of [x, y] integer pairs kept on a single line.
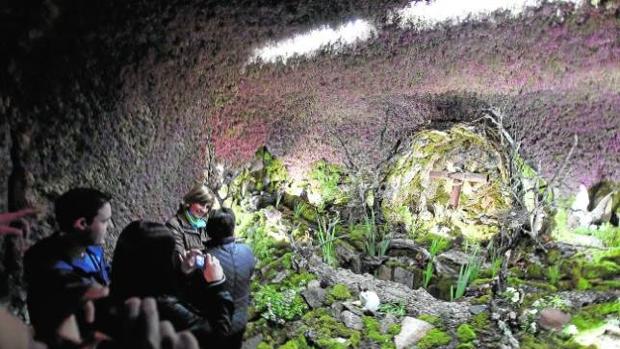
[[433, 339]]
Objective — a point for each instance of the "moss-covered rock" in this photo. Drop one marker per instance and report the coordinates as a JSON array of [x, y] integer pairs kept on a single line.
[[338, 292], [596, 315], [326, 184], [431, 319], [421, 203], [327, 329], [296, 343], [373, 332], [433, 339], [465, 333]]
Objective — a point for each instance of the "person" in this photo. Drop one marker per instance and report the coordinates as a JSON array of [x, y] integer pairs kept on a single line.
[[238, 263], [145, 265], [140, 323], [188, 225], [60, 268], [139, 320]]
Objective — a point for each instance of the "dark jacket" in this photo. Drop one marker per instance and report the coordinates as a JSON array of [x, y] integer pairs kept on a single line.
[[186, 236], [238, 263], [56, 282], [209, 325]]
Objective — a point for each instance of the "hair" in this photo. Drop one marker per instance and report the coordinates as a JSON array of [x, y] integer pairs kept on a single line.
[[221, 223], [78, 203], [199, 194], [144, 262]]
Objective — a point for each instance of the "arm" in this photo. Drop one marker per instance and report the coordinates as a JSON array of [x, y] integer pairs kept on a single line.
[[217, 321], [179, 244]]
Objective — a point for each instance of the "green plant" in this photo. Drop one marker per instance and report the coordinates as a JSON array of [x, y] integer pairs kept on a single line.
[[554, 274], [434, 338], [428, 271], [339, 292], [372, 247], [496, 265], [465, 333], [298, 210], [327, 236], [279, 306], [397, 309], [467, 274]]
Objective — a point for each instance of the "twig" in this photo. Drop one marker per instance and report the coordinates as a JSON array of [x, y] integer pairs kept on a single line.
[[563, 166], [346, 151]]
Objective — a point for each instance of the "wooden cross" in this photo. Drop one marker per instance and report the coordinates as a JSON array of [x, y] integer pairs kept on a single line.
[[457, 182]]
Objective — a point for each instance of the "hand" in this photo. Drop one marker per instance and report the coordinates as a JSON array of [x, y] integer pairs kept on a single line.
[[213, 270], [9, 217], [188, 261], [69, 329], [144, 330]]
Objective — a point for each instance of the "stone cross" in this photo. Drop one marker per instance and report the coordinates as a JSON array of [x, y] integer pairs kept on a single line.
[[457, 182]]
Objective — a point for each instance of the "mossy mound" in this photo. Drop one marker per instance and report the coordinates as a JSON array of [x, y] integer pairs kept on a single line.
[[327, 185], [265, 173], [421, 203]]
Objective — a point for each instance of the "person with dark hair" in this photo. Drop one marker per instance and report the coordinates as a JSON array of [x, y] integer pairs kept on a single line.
[[238, 263], [60, 268], [145, 265]]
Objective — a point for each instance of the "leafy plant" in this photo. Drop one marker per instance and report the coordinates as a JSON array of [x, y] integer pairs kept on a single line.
[[467, 274], [428, 271], [327, 236], [279, 306], [397, 309]]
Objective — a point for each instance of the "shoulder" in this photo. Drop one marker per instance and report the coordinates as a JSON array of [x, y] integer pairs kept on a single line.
[[44, 250], [245, 248], [174, 222], [96, 250]]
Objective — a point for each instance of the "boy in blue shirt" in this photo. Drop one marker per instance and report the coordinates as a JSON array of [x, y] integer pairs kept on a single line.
[[61, 267]]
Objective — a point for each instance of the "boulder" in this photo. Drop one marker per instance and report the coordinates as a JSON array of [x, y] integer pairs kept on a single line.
[[412, 330]]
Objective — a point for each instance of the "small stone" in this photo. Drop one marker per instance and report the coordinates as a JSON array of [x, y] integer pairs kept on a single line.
[[477, 309], [314, 284], [412, 330], [351, 320], [384, 273], [553, 319], [403, 276], [315, 296], [252, 342], [387, 321]]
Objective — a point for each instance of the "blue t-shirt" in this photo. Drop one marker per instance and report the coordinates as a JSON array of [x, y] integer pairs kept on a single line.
[[92, 264]]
